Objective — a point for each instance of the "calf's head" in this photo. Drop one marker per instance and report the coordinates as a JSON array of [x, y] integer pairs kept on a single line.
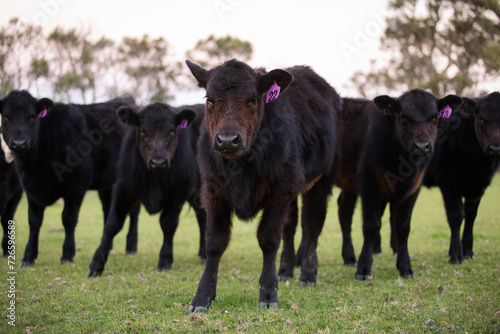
[[235, 98], [21, 117], [157, 127], [417, 114], [486, 111]]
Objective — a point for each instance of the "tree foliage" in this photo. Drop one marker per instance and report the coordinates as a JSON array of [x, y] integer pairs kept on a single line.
[[73, 65], [443, 46], [213, 51]]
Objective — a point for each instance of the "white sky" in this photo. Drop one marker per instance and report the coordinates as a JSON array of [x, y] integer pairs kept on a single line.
[[282, 33]]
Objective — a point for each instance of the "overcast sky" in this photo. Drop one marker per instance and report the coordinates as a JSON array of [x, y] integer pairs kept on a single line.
[[335, 39]]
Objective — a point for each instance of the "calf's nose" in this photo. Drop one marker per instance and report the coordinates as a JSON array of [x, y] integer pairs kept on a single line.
[[158, 163], [227, 142], [18, 145], [494, 150], [422, 146]]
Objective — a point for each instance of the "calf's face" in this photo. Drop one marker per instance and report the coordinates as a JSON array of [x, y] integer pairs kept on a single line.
[[417, 114], [235, 97], [21, 114], [486, 111], [157, 127]]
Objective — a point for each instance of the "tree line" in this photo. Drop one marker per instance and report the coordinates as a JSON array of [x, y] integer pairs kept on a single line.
[[73, 65], [444, 46]]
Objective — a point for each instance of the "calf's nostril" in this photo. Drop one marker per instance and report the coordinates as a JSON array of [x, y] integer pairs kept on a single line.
[[227, 140], [158, 163], [494, 150]]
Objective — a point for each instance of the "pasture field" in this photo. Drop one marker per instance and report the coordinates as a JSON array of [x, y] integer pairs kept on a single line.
[[131, 297]]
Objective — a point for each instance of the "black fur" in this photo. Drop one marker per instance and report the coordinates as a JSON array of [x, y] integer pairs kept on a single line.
[[464, 165], [276, 151], [162, 188], [61, 151]]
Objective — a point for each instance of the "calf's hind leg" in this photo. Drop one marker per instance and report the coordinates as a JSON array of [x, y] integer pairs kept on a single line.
[[274, 217], [347, 203], [70, 214], [314, 206], [169, 220]]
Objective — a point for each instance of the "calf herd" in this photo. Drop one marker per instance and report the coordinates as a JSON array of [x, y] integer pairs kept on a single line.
[[261, 140]]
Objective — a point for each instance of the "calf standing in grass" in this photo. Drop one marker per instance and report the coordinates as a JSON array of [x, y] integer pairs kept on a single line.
[[260, 148], [157, 167], [384, 149], [10, 195], [62, 150], [467, 156]]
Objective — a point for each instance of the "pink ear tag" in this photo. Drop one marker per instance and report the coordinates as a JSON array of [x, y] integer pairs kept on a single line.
[[273, 92], [445, 112], [43, 113], [183, 124]]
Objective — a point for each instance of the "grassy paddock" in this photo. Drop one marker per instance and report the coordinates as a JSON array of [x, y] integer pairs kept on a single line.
[[132, 297]]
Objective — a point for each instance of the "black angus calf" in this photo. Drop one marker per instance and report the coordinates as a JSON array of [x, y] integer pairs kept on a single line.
[[157, 167], [10, 195], [260, 148], [467, 156], [384, 149], [61, 151]]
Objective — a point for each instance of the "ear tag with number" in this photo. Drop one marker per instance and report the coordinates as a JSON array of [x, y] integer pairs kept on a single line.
[[43, 113], [183, 124], [273, 92], [445, 112]]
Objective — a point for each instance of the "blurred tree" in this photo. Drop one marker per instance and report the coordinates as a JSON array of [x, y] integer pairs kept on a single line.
[[443, 46], [19, 43], [214, 51], [149, 69]]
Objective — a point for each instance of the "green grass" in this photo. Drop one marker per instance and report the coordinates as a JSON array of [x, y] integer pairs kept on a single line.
[[131, 297]]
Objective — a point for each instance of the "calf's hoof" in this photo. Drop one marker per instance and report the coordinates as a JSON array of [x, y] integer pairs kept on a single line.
[[363, 277], [268, 305], [93, 273], [455, 261], [25, 264], [63, 261], [283, 278], [197, 309], [164, 267], [304, 284], [349, 263], [203, 261], [468, 254]]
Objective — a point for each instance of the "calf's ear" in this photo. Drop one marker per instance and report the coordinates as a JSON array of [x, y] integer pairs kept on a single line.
[[199, 73], [128, 116], [43, 106], [184, 118], [281, 77], [449, 100], [387, 104]]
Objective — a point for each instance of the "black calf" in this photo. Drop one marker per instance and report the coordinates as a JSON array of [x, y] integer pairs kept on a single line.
[[157, 167]]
